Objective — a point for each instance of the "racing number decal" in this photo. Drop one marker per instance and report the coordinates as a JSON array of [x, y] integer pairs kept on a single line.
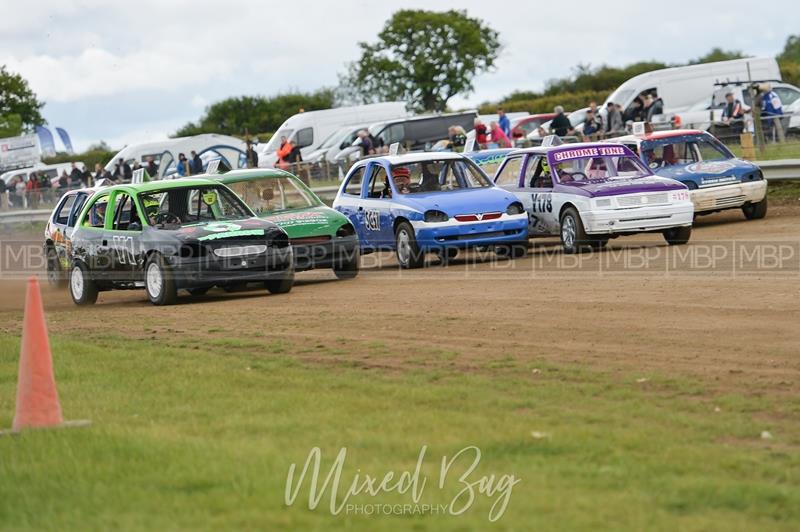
[[541, 202], [372, 220], [124, 247]]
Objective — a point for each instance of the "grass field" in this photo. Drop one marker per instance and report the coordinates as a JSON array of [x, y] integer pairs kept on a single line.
[[199, 434]]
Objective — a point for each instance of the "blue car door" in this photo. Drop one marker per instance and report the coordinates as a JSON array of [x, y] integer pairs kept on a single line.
[[375, 208]]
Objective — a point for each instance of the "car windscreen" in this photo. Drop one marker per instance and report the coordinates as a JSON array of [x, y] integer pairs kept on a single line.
[[438, 176], [274, 194], [606, 168], [684, 150], [187, 205]]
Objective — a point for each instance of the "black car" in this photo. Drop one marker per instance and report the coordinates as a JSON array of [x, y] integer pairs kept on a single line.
[[163, 236]]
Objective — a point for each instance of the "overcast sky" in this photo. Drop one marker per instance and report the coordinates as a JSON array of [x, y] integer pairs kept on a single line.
[[137, 70]]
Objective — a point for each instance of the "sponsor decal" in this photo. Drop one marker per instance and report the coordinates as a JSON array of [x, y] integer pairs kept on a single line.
[[580, 153], [228, 234], [710, 167], [722, 180], [210, 197], [299, 218], [219, 227]]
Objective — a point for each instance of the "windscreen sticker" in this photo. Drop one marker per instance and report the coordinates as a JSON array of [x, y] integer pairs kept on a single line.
[[298, 218], [228, 234], [218, 227], [581, 153], [210, 197]]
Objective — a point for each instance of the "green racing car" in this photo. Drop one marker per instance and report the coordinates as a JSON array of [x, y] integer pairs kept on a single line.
[[320, 236]]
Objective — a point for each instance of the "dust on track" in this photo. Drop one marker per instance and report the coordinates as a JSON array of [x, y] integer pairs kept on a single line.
[[731, 330]]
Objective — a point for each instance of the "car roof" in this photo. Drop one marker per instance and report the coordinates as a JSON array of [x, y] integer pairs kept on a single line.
[[657, 135], [416, 157], [161, 185], [245, 174]]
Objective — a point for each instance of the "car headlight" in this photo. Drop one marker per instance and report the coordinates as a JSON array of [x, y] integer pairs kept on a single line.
[[515, 208], [346, 230], [602, 203], [434, 216]]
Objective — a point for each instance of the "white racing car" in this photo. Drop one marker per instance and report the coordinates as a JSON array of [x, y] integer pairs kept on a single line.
[[588, 193]]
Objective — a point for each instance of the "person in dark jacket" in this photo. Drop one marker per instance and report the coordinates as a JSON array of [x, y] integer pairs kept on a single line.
[[561, 125], [197, 164], [75, 176], [151, 167], [123, 171], [653, 105], [733, 113], [252, 157]]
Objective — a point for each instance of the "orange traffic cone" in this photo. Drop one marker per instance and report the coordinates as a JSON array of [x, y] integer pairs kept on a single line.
[[37, 397]]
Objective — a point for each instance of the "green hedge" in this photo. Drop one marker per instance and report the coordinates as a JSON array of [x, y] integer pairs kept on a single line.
[[545, 104]]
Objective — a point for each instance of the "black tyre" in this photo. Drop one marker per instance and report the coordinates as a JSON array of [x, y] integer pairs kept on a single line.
[[199, 291], [81, 286], [55, 275], [282, 285], [677, 236], [159, 281], [408, 253], [347, 268], [512, 251], [573, 235], [755, 211]]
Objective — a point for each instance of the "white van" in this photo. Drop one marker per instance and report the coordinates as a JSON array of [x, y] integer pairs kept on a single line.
[[52, 171], [682, 87], [310, 129]]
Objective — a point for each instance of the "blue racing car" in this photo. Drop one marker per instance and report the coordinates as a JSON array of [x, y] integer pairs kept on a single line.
[[433, 202], [716, 178]]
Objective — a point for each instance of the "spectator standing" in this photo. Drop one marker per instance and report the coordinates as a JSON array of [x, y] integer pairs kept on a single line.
[[252, 157], [498, 136], [771, 109], [75, 176], [733, 114], [614, 123], [32, 190], [590, 125], [98, 173], [652, 106], [561, 125], [151, 167], [504, 123], [19, 189], [283, 153], [481, 133], [196, 164], [86, 177], [63, 181], [123, 171], [183, 166], [366, 145], [598, 117]]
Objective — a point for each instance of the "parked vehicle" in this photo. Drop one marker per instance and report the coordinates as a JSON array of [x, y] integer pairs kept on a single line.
[[58, 234], [337, 141], [163, 236], [230, 150], [320, 236], [524, 126], [413, 133], [716, 178], [590, 192], [308, 130], [681, 87], [51, 171], [435, 202]]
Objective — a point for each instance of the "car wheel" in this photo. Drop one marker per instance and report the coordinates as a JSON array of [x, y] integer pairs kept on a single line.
[[159, 282], [755, 211], [281, 285], [408, 253], [347, 268], [677, 236], [199, 291], [512, 251], [81, 286], [573, 236], [55, 275]]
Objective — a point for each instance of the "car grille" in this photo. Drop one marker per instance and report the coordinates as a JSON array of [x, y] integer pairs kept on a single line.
[[730, 201], [479, 217], [642, 199]]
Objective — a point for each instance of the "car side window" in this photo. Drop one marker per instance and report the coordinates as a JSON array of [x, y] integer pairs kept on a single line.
[[96, 213], [509, 173], [126, 214], [353, 186], [378, 185], [537, 174], [62, 215], [76, 209]]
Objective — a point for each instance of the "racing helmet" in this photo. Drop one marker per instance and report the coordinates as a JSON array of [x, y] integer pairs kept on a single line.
[[97, 214], [150, 205]]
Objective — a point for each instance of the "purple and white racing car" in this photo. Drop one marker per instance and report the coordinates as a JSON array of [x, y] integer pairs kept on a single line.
[[588, 193]]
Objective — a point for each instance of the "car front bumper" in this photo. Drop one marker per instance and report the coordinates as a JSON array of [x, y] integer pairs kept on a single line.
[[452, 233], [324, 254], [275, 263], [638, 219], [728, 196]]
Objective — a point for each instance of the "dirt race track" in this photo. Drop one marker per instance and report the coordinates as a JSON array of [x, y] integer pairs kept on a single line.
[[724, 310]]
